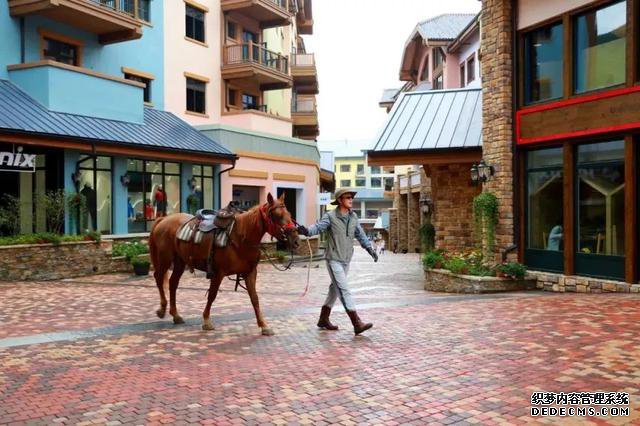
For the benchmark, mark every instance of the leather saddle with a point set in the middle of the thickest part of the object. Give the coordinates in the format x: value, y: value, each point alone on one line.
x: 208, y: 220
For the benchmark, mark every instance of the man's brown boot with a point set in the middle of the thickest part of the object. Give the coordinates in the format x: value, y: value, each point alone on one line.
x: 324, y: 322
x: 358, y: 325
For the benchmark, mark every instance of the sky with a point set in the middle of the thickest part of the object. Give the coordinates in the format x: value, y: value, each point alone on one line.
x: 358, y: 45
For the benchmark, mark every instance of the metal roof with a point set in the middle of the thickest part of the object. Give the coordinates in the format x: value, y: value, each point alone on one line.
x: 434, y: 119
x: 389, y: 95
x: 445, y: 27
x: 21, y: 113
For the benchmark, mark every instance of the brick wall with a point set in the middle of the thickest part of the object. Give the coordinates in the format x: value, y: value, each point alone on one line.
x: 453, y: 194
x: 402, y: 223
x: 497, y: 138
x: 393, y: 228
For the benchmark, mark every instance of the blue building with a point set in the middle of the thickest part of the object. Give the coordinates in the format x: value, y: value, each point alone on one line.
x: 81, y: 110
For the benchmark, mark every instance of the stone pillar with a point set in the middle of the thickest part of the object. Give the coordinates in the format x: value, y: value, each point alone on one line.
x: 496, y: 70
x: 402, y: 224
x: 393, y: 228
x: 413, y: 221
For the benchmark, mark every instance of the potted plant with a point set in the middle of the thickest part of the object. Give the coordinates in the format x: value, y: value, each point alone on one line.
x: 140, y: 266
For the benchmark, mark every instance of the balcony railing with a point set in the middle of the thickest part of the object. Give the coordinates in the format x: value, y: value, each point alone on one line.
x: 247, y: 53
x: 304, y: 105
x: 123, y: 6
x: 262, y: 108
x: 303, y: 60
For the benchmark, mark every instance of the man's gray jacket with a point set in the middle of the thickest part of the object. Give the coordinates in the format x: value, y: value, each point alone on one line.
x: 341, y: 230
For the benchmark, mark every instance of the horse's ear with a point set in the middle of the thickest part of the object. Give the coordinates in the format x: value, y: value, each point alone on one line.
x: 270, y: 198
x: 282, y: 197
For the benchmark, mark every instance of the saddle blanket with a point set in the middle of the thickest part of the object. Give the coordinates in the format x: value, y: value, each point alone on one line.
x: 189, y: 232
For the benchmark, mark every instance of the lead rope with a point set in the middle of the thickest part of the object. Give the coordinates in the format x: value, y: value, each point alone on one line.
x: 306, y: 289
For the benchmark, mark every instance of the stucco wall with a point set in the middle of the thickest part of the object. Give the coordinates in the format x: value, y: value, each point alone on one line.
x: 531, y: 12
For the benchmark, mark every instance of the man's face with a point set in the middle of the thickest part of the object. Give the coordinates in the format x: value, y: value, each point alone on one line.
x: 346, y: 201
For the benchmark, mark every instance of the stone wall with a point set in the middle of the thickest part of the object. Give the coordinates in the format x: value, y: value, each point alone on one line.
x: 453, y: 194
x: 403, y: 217
x: 393, y: 228
x: 445, y: 281
x: 576, y: 284
x: 497, y: 136
x: 41, y: 262
x: 413, y: 222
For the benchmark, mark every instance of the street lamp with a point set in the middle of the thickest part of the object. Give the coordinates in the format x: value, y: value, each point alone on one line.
x: 426, y: 205
x: 481, y: 172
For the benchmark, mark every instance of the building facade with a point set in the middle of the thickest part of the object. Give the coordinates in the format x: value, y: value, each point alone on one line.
x: 239, y: 72
x: 432, y: 135
x: 83, y: 112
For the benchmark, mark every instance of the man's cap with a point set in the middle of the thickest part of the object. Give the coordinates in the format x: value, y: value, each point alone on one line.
x: 340, y: 192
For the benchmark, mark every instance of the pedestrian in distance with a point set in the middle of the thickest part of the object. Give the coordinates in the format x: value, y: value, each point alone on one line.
x: 342, y: 227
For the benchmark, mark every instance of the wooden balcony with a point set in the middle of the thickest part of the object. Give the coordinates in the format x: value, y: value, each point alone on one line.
x: 304, y: 73
x: 250, y: 62
x: 304, y: 114
x: 113, y: 21
x: 304, y: 17
x: 269, y: 13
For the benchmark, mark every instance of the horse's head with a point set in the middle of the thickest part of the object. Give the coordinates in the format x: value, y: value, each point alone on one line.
x: 279, y: 222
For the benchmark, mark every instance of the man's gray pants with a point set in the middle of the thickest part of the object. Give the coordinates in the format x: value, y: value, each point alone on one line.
x: 339, y: 288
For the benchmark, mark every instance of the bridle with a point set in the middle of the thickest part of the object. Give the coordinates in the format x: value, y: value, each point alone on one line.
x: 276, y: 230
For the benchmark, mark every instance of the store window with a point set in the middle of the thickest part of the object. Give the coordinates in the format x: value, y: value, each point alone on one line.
x: 201, y: 184
x: 153, y: 191
x: 600, y: 47
x: 246, y: 196
x: 194, y: 23
x: 543, y: 64
x: 95, y: 187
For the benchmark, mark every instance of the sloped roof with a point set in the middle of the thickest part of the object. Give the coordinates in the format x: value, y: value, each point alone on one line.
x: 444, y: 27
x: 389, y: 95
x: 21, y: 113
x: 434, y: 119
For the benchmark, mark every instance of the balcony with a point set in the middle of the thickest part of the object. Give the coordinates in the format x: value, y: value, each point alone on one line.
x: 113, y: 21
x: 269, y: 13
x: 304, y: 73
x: 304, y: 17
x: 250, y: 62
x: 305, y: 117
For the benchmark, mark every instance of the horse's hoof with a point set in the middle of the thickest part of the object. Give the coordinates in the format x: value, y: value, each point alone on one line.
x: 267, y: 332
x: 178, y: 320
x: 161, y: 313
x: 207, y: 326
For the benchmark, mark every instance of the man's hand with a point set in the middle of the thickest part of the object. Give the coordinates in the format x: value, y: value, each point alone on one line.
x: 373, y: 254
x: 303, y: 231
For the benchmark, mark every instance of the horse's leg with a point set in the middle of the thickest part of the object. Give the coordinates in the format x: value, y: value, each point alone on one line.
x: 250, y: 281
x: 174, y: 281
x: 160, y: 274
x: 213, y: 292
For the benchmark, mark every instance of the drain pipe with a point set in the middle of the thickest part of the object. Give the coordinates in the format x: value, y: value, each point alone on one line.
x: 219, y: 197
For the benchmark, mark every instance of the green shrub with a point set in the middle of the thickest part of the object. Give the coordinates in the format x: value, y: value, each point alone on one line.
x: 281, y: 255
x: 9, y: 215
x: 140, y: 261
x: 427, y: 233
x: 514, y: 270
x: 457, y: 265
x: 129, y: 249
x: 433, y: 259
x: 53, y: 203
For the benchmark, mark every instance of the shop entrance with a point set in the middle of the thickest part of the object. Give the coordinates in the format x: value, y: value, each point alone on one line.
x: 21, y: 190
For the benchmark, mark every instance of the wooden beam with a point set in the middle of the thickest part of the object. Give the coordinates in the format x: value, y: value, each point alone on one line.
x: 632, y: 42
x: 630, y: 211
x: 522, y: 226
x: 289, y: 177
x: 567, y: 201
x: 252, y: 174
x: 567, y: 75
x: 396, y: 158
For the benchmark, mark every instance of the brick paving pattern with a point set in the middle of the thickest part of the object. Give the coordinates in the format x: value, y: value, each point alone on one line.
x: 430, y: 358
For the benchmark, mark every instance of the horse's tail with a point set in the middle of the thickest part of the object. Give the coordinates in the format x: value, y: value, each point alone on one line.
x: 153, y: 248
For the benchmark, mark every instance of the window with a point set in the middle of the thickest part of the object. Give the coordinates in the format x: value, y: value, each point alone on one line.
x: 345, y: 183
x: 388, y: 184
x: 61, y: 51
x: 471, y: 68
x: 194, y: 23
x: 201, y: 196
x: 95, y: 187
x: 361, y: 182
x: 438, y: 58
x: 543, y: 64
x: 462, y: 77
x: 249, y: 101
x: 145, y: 81
x: 438, y: 82
x: 376, y: 182
x: 144, y: 10
x: 360, y: 169
x: 600, y: 210
x: 600, y: 48
x: 425, y: 70
x: 231, y: 30
x: 375, y: 170
x: 371, y: 213
x: 196, y: 90
x: 345, y: 167
x: 232, y: 97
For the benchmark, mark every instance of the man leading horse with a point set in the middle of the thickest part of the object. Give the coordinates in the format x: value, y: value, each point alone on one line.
x: 342, y: 227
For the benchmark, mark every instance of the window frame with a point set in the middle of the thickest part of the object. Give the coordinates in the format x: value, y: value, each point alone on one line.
x: 470, y: 65
x: 77, y: 44
x: 141, y: 77
x: 345, y: 183
x: 463, y: 78
x: 204, y: 84
x: 345, y: 168
x: 201, y: 9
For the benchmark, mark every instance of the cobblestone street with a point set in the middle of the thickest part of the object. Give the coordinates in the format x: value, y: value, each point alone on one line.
x: 92, y: 351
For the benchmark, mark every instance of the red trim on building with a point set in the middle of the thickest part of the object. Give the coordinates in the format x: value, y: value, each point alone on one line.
x: 573, y: 101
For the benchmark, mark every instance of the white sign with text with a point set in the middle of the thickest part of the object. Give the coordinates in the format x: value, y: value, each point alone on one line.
x: 17, y: 161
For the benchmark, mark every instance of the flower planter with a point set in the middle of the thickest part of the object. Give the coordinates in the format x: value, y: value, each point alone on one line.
x: 442, y: 280
x: 141, y: 269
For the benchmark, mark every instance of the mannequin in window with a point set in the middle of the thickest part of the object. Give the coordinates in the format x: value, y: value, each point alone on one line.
x: 89, y: 195
x: 160, y: 202
x: 131, y: 214
x: 555, y: 238
x: 148, y: 210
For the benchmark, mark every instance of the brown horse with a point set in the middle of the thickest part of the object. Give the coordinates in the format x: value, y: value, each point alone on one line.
x: 241, y: 256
